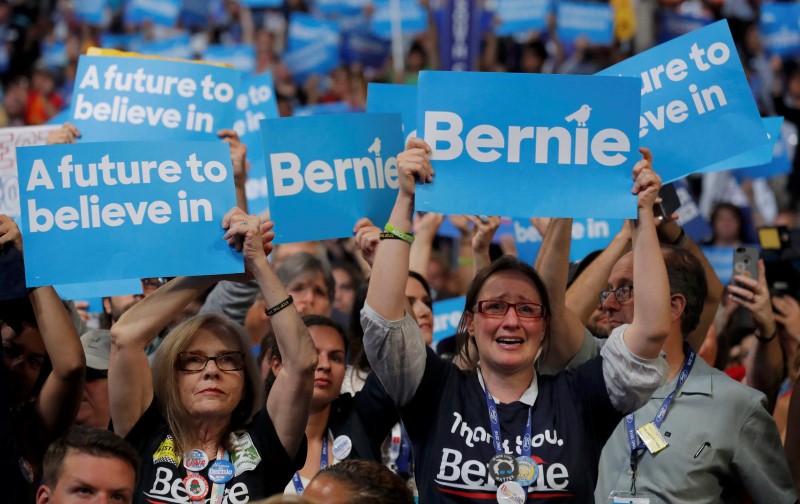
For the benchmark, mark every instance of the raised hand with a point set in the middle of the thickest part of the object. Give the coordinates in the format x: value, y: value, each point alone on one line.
x: 66, y: 134
x: 647, y: 183
x: 414, y: 164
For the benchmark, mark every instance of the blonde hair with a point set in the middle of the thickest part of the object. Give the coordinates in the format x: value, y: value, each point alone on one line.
x: 165, y: 377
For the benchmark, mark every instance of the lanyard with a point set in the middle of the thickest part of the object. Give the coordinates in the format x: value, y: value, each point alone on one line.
x: 497, y: 438
x: 323, y: 463
x: 218, y: 489
x: 630, y: 421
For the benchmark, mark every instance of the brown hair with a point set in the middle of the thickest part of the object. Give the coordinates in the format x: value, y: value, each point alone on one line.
x: 90, y: 441
x: 505, y: 263
x: 165, y: 376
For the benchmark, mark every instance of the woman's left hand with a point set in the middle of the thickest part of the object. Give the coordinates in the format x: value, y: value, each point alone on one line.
x: 246, y: 234
x: 754, y: 295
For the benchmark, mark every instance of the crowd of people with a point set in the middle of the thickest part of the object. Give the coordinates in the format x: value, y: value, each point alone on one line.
x: 634, y: 375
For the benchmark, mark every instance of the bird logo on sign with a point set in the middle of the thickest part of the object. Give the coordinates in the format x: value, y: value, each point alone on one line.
x: 580, y: 116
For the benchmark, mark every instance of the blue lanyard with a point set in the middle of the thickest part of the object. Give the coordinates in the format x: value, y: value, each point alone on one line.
x: 497, y: 438
x: 630, y: 421
x: 323, y: 463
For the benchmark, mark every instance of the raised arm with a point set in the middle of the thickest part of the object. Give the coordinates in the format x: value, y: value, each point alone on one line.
x: 392, y: 341
x: 60, y: 396
x: 764, y: 363
x: 130, y: 383
x: 290, y: 398
x: 583, y: 295
x: 483, y: 231
x: 651, y: 311
x: 238, y: 161
x: 425, y: 228
x: 552, y: 263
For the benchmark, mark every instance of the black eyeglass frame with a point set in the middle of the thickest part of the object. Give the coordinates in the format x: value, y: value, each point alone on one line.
x: 619, y: 292
x: 215, y: 358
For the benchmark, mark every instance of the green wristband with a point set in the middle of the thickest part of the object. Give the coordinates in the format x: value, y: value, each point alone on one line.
x: 403, y: 236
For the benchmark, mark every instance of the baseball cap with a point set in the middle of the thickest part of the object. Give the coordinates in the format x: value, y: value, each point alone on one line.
x: 97, y: 347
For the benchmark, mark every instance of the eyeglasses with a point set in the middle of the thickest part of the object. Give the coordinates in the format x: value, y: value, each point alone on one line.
x: 622, y: 294
x: 492, y: 308
x: 95, y: 374
x: 196, y: 362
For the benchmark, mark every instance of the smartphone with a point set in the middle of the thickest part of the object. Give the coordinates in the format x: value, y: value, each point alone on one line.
x: 745, y: 262
x: 670, y: 201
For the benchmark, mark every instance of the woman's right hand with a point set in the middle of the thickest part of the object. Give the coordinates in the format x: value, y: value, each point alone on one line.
x: 414, y: 164
x: 66, y: 134
x: 244, y: 234
x: 367, y: 238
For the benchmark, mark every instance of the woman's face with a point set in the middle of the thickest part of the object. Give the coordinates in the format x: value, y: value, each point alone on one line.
x: 211, y: 392
x: 507, y: 343
x: 726, y: 226
x: 24, y: 354
x: 345, y: 294
x: 329, y: 375
x: 421, y: 304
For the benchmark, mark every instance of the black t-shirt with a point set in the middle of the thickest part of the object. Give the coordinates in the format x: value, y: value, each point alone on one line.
x: 449, y: 426
x: 263, y: 468
x: 366, y: 418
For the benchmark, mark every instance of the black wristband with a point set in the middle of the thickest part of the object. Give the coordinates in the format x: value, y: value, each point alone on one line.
x: 680, y: 240
x: 280, y: 306
x: 766, y: 340
x: 389, y: 236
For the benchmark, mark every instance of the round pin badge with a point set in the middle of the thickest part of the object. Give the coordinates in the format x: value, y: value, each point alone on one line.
x: 195, y: 460
x: 196, y: 486
x: 342, y: 446
x: 221, y: 471
x: 27, y: 469
x: 511, y: 492
x: 503, y: 468
x: 527, y: 470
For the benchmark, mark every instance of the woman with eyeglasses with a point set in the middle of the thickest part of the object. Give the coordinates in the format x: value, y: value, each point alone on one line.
x: 498, y: 430
x: 199, y: 420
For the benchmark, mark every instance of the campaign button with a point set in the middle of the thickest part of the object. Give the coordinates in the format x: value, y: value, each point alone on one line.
x: 503, y: 468
x: 342, y: 446
x: 221, y: 471
x: 511, y: 492
x: 527, y: 470
x: 196, y: 486
x: 195, y: 460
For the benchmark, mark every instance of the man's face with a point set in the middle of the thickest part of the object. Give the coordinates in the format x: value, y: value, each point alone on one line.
x: 621, y: 276
x: 90, y: 479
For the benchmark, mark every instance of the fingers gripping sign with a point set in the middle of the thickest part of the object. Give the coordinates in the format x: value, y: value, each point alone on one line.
x: 414, y: 165
x: 244, y: 234
x: 647, y: 183
x: 9, y: 233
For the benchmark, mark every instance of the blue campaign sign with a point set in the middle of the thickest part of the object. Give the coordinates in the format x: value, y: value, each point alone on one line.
x: 240, y: 56
x: 143, y: 99
x: 780, y: 28
x: 54, y: 54
x: 588, y: 235
x: 413, y: 18
x: 324, y: 109
x: 86, y: 291
x: 125, y: 210
x: 326, y: 172
x: 366, y: 49
x: 256, y: 101
x: 755, y: 157
x: 696, y: 108
x: 521, y: 16
x: 313, y: 46
x: 780, y: 163
x: 270, y: 4
x: 119, y: 41
x: 91, y: 11
x: 674, y: 24
x: 395, y: 99
x: 446, y: 316
x: 523, y: 144
x: 689, y: 216
x: 721, y: 260
x: 179, y: 47
x: 160, y: 12
x: 595, y: 21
